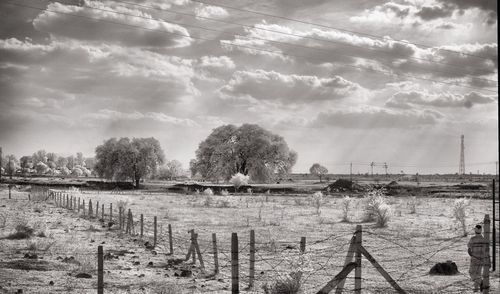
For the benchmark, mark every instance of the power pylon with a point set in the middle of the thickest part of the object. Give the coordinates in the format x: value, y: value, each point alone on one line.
x: 461, y: 169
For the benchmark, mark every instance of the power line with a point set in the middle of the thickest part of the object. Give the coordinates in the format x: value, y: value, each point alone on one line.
x: 334, y: 28
x: 304, y: 37
x: 244, y: 46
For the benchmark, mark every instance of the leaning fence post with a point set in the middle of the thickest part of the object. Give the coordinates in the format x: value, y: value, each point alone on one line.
x: 357, y: 270
x: 216, y: 254
x: 155, y: 232
x: 302, y: 244
x: 486, y: 269
x: 251, y: 277
x: 171, y: 244
x: 198, y: 252
x: 100, y: 270
x: 235, y: 286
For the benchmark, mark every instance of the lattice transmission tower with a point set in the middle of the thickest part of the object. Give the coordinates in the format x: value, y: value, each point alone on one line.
x: 461, y: 169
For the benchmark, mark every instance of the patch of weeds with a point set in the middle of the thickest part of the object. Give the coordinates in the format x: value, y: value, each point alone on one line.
x: 22, y: 231
x: 288, y: 284
x: 39, y: 245
x: 223, y: 204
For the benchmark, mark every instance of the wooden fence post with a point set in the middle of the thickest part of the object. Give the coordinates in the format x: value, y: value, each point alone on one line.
x: 494, y: 231
x: 155, y: 231
x: 142, y: 225
x: 486, y: 267
x: 120, y: 217
x: 357, y: 270
x: 83, y: 207
x: 251, y: 276
x: 216, y: 254
x: 97, y: 210
x: 90, y: 208
x: 78, y: 204
x: 102, y: 212
x: 110, y: 212
x: 348, y: 259
x: 67, y: 201
x: 71, y: 202
x: 74, y: 203
x: 127, y: 227
x: 302, y: 244
x: 100, y: 270
x: 192, y: 247
x: 235, y: 278
x: 170, y: 242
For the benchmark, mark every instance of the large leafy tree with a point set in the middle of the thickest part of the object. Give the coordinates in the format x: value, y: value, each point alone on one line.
x: 248, y: 149
x: 318, y: 170
x: 126, y: 159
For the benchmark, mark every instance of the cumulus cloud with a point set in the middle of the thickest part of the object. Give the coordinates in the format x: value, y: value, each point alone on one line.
x: 271, y: 85
x: 101, y: 26
x: 211, y: 11
x: 372, y: 117
x: 407, y: 100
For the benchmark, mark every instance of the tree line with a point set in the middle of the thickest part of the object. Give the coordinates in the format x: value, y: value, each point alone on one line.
x: 249, y: 150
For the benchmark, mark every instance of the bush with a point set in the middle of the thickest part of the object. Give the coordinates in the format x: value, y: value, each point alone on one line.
x: 316, y: 201
x: 208, y: 201
x: 208, y: 192
x: 290, y: 284
x: 377, y: 209
x: 22, y: 231
x: 239, y: 180
x: 412, y: 204
x: 346, y: 202
x: 224, y: 192
x: 460, y: 213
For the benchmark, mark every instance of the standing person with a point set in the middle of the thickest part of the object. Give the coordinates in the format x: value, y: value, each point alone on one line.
x: 478, y: 249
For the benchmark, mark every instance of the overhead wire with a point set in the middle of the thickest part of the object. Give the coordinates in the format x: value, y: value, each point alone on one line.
x: 333, y: 28
x: 368, y: 70
x: 253, y: 27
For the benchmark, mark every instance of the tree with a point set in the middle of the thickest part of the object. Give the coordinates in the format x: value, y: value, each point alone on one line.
x: 318, y: 170
x: 171, y: 170
x: 10, y: 164
x: 26, y: 163
x: 62, y: 162
x: 79, y: 159
x: 52, y: 157
x: 39, y: 156
x: 71, y: 162
x: 248, y: 149
x: 127, y: 159
x: 41, y: 168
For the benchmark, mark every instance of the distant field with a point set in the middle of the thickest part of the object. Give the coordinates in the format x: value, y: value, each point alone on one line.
x: 407, y: 248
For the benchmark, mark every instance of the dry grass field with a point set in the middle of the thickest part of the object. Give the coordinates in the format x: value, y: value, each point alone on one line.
x: 66, y: 243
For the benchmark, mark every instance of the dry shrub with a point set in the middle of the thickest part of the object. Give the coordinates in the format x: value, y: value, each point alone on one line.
x: 208, y: 192
x: 224, y: 192
x: 22, y: 230
x: 37, y: 245
x: 317, y: 201
x: 346, y: 203
x: 460, y: 213
x: 376, y: 208
x: 289, y: 284
x: 412, y: 204
x: 208, y: 201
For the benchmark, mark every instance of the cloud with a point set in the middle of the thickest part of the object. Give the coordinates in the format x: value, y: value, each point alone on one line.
x: 271, y: 85
x: 112, y: 115
x: 488, y: 6
x: 211, y: 11
x: 434, y: 12
x: 407, y: 100
x: 100, y: 26
x: 373, y: 118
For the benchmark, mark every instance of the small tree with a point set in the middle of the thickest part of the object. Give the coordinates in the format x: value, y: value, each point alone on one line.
x: 239, y: 180
x: 377, y: 208
x: 317, y: 201
x: 318, y: 170
x: 460, y: 213
x: 346, y: 202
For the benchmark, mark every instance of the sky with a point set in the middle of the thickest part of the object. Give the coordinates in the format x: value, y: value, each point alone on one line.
x: 394, y: 82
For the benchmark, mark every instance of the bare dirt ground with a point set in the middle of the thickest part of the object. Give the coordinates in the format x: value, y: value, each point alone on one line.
x: 407, y: 249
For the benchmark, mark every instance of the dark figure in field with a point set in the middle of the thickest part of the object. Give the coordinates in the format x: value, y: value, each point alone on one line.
x: 478, y: 249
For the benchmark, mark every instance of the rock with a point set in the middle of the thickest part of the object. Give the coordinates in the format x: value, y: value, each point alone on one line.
x: 150, y: 263
x: 447, y: 268
x: 83, y: 276
x: 136, y: 263
x: 142, y: 275
x: 30, y: 256
x: 51, y: 283
x: 186, y: 273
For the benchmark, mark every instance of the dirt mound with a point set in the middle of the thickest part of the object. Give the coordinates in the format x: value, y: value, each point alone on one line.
x: 447, y: 268
x: 344, y: 185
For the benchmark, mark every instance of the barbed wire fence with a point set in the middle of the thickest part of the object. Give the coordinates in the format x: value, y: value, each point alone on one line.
x: 269, y: 261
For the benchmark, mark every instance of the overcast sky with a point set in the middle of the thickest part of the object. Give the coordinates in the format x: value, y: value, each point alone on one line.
x: 80, y: 72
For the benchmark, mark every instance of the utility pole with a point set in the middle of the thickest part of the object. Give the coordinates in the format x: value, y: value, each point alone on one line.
x: 10, y: 167
x: 350, y: 173
x: 372, y: 164
x: 385, y: 167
